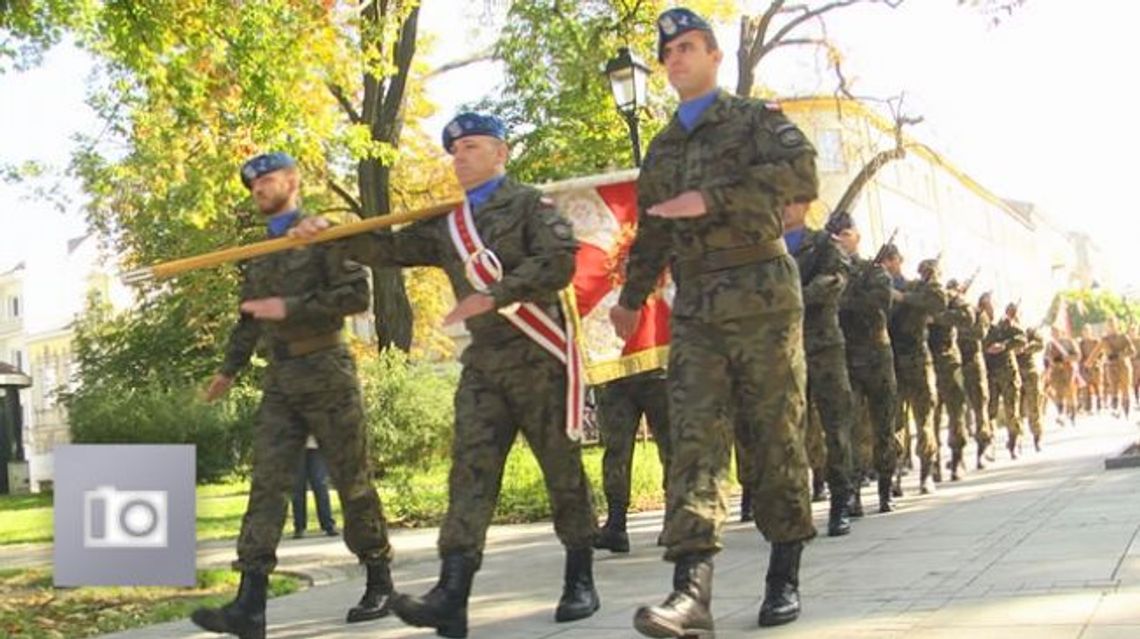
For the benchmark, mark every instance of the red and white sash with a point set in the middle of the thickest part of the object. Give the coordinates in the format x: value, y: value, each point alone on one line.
x: 484, y: 269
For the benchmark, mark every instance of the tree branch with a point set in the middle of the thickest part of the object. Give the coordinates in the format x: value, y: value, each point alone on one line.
x: 348, y: 198
x: 479, y: 56
x: 387, y: 127
x: 345, y: 104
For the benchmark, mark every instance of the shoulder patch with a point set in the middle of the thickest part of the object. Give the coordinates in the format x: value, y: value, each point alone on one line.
x: 561, y: 228
x: 790, y: 136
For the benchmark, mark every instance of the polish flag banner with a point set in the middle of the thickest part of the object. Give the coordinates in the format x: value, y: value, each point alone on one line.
x: 603, y: 210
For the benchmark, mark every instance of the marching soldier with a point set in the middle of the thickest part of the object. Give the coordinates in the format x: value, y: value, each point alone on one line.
x: 1063, y: 357
x: 948, y: 372
x: 293, y: 307
x: 1134, y: 335
x: 1092, y: 371
x: 863, y: 315
x: 919, y: 301
x: 823, y: 274
x: 711, y: 192
x: 1029, y: 367
x: 621, y: 405
x: 507, y: 253
x: 1118, y: 352
x: 975, y: 381
x: 1003, y: 341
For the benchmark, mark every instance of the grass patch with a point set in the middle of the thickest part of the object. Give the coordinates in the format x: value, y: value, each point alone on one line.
x: 416, y: 502
x: 30, y: 607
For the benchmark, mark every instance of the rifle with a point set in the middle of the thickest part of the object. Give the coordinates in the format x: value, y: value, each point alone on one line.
x: 965, y: 287
x: 882, y: 254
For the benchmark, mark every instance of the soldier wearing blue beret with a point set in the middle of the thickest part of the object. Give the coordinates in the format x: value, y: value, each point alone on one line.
x: 507, y: 252
x: 293, y: 306
x: 711, y: 194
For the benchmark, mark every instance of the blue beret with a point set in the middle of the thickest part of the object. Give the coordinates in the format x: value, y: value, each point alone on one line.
x: 675, y: 23
x: 466, y: 124
x: 260, y: 165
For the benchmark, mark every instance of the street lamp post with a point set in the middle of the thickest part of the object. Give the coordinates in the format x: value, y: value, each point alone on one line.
x: 628, y: 77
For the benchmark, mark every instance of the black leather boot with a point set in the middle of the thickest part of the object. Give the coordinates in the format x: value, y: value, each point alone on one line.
x: 377, y: 592
x: 613, y: 536
x: 579, y: 598
x: 886, y: 504
x: 981, y: 465
x: 925, y: 480
x: 896, y: 488
x: 955, y: 464
x: 838, y: 517
x: 782, y: 593
x: 855, y: 502
x: 746, y: 506
x: 818, y: 487
x: 444, y: 607
x: 244, y: 616
x: 1012, y: 446
x: 686, y: 611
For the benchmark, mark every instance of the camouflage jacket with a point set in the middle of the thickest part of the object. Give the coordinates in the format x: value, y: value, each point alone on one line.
x: 970, y: 337
x: 1118, y: 347
x: 864, y: 310
x: 921, y: 302
x: 943, y: 338
x: 534, y: 243
x: 1028, y: 358
x: 1088, y: 347
x: 748, y: 161
x: 1011, y: 339
x: 823, y: 274
x: 320, y: 288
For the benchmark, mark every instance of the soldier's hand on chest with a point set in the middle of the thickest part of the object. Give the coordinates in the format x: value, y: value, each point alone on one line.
x: 686, y: 205
x: 269, y: 308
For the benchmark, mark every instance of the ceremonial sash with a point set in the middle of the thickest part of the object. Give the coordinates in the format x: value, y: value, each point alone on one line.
x: 483, y: 269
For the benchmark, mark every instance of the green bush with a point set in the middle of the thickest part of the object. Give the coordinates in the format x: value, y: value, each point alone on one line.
x: 409, y: 407
x: 220, y: 432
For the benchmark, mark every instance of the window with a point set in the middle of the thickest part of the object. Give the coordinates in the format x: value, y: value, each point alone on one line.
x: 830, y: 148
x: 13, y: 306
x: 18, y: 359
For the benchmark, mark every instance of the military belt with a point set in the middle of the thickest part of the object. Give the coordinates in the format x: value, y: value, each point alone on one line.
x: 732, y: 257
x: 306, y: 345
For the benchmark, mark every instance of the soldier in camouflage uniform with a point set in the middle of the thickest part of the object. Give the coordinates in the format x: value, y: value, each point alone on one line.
x: 1063, y: 357
x: 293, y: 306
x: 509, y: 382
x: 943, y: 341
x: 1003, y: 341
x: 621, y: 405
x: 823, y: 274
x: 1029, y: 367
x: 975, y: 381
x: 863, y: 314
x: 918, y: 303
x: 1134, y: 336
x: 711, y: 192
x: 1118, y: 352
x: 1092, y: 371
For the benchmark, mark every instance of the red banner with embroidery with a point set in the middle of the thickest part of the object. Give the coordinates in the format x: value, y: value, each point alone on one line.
x: 603, y: 210
x: 484, y: 269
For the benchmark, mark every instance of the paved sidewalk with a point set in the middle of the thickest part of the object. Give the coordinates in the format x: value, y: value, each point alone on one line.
x: 1044, y: 547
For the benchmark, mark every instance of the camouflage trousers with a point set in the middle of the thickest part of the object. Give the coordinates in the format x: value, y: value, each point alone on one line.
x: 829, y: 391
x: 317, y: 394
x: 745, y: 375
x: 1063, y: 388
x: 621, y: 405
x: 1031, y: 402
x: 506, y: 389
x: 916, y: 397
x: 875, y: 394
x: 1091, y: 392
x: 951, y: 399
x: 1005, y: 400
x: 977, y: 399
x: 1118, y: 386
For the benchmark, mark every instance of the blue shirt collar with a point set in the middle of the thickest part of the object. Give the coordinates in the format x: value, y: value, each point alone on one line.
x: 692, y: 110
x: 479, y: 195
x: 794, y: 238
x: 278, y: 224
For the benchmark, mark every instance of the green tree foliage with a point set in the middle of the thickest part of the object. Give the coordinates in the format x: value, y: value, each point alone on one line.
x: 1094, y: 307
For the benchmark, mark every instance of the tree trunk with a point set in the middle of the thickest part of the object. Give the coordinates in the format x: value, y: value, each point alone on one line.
x: 390, y: 305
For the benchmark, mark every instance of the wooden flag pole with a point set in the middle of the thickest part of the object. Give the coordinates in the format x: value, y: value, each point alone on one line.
x: 233, y: 254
